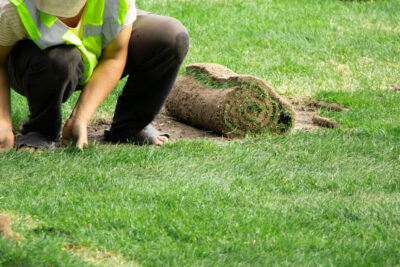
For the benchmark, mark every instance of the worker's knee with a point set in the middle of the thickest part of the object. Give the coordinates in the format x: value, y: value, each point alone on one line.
x: 64, y: 62
x: 170, y: 34
x: 181, y: 39
x: 182, y: 44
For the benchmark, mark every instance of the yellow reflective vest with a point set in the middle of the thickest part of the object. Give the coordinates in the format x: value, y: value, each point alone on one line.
x: 102, y: 21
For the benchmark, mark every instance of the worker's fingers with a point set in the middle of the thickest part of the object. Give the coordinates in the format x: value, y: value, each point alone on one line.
x: 82, y: 141
x: 66, y: 134
x: 65, y: 138
x: 80, y: 135
x: 64, y: 142
x: 75, y: 132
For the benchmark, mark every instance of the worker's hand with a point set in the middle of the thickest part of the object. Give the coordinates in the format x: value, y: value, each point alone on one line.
x: 76, y: 132
x: 6, y: 138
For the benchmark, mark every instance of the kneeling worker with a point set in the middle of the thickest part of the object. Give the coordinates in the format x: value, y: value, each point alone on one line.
x: 50, y: 48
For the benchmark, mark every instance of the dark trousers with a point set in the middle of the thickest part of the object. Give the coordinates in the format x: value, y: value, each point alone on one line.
x: 47, y: 78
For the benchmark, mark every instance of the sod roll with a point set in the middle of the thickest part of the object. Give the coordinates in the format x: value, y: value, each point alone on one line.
x: 212, y: 97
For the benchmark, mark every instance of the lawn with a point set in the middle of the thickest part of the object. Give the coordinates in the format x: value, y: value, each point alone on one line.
x: 324, y: 198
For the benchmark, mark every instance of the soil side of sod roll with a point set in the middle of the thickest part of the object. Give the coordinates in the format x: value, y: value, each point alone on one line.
x: 213, y: 97
x: 195, y: 104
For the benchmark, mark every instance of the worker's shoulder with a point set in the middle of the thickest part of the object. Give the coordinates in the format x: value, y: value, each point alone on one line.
x: 11, y: 27
x: 7, y: 8
x: 8, y: 13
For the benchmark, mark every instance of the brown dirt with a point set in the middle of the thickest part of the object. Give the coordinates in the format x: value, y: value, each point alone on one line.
x: 97, y: 257
x: 5, y: 228
x: 307, y: 118
x: 324, y: 122
x: 395, y: 87
x: 304, y: 113
x: 331, y: 106
x: 163, y: 123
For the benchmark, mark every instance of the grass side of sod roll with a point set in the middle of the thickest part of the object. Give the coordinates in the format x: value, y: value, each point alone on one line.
x: 326, y: 198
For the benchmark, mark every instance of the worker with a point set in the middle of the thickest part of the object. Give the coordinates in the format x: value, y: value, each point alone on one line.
x: 51, y: 48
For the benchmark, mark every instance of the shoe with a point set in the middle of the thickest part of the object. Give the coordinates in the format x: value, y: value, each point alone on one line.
x: 147, y: 136
x: 34, y: 140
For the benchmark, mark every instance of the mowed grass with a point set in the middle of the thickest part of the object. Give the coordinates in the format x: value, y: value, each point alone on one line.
x: 326, y: 198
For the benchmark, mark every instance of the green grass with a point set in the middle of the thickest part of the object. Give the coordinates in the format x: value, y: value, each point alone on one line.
x: 326, y: 198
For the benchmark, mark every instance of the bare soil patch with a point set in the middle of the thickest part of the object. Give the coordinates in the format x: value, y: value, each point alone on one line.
x: 305, y: 110
x: 97, y: 257
x: 163, y: 123
x: 396, y: 87
x: 5, y: 228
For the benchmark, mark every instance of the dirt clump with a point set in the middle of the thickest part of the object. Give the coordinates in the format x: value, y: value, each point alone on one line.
x: 307, y: 118
x: 331, y: 106
x: 395, y: 87
x: 5, y: 228
x: 324, y: 122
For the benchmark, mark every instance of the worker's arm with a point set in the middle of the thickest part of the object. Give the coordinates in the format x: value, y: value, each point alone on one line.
x: 6, y: 134
x: 103, y: 80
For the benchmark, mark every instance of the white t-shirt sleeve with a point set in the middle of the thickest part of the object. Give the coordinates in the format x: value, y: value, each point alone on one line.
x: 11, y: 28
x: 131, y: 15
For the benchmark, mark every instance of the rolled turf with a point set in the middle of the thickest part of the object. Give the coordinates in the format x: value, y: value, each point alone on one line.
x: 213, y: 97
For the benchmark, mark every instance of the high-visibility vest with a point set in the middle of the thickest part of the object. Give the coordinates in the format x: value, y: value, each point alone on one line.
x: 102, y: 21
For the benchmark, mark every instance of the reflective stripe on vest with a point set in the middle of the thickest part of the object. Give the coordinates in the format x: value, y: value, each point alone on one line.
x: 102, y: 21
